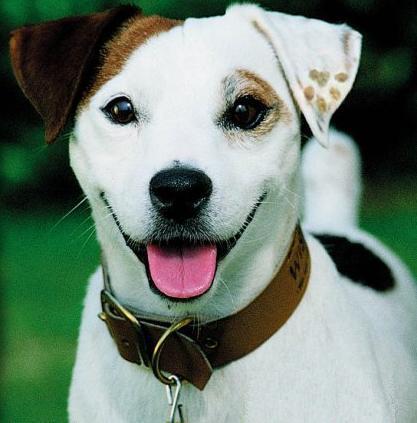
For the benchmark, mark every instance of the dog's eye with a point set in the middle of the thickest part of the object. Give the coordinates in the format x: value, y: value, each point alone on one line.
x: 247, y: 112
x: 120, y: 110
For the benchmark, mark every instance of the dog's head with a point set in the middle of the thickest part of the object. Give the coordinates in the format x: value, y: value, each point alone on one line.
x: 186, y: 137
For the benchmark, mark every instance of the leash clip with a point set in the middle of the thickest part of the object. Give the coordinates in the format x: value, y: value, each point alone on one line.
x: 173, y: 395
x: 172, y: 382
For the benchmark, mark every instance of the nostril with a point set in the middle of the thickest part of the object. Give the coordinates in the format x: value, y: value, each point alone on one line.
x: 197, y: 188
x: 179, y: 192
x: 163, y: 194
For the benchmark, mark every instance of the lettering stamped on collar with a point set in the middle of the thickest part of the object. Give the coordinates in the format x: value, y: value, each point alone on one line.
x: 194, y: 351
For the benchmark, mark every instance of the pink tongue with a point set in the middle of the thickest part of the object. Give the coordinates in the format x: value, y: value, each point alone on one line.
x: 182, y: 272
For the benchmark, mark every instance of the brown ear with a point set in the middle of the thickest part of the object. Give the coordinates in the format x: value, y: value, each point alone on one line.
x: 53, y: 61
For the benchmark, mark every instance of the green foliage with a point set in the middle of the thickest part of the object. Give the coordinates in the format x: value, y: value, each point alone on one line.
x: 22, y: 12
x: 16, y: 165
x: 183, y: 9
x: 386, y: 72
x: 45, y: 267
x: 362, y: 6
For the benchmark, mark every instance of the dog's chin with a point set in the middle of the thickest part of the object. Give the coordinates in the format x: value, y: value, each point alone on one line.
x: 178, y: 269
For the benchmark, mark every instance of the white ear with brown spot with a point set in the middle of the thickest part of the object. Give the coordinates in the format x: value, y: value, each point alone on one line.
x: 319, y: 60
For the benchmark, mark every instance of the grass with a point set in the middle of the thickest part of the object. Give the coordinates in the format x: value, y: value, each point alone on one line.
x: 45, y: 268
x: 390, y: 213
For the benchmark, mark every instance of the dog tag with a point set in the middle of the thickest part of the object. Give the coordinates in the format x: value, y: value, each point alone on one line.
x: 173, y: 395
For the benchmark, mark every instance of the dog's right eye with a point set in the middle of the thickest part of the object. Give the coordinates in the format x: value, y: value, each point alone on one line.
x: 120, y: 110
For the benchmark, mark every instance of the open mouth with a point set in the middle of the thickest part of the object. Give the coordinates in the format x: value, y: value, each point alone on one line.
x: 180, y: 269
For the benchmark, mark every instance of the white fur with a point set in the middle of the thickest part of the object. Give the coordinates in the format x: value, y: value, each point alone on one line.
x: 332, y: 184
x: 348, y: 354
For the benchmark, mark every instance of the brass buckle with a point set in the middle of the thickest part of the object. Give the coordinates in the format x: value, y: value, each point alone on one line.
x: 143, y: 354
x: 159, y: 347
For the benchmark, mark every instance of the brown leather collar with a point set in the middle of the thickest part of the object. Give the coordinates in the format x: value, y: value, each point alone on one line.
x: 194, y: 351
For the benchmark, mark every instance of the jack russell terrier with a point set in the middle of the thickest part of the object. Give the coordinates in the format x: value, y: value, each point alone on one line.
x: 186, y: 141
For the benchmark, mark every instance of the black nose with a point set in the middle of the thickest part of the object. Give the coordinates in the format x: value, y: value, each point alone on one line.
x: 180, y: 193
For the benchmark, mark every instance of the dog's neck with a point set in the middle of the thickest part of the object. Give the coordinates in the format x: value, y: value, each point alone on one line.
x: 241, y: 277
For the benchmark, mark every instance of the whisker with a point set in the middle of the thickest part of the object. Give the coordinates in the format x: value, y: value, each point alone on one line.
x: 290, y: 203
x: 232, y: 300
x: 85, y: 242
x: 93, y: 225
x: 68, y: 213
x: 296, y: 194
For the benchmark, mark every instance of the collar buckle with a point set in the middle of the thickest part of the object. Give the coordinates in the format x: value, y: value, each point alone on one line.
x: 111, y: 305
x: 160, y: 345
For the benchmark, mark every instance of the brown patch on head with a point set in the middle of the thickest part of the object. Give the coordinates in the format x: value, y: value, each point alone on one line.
x: 246, y: 83
x: 335, y: 93
x: 53, y: 61
x: 341, y: 77
x: 309, y: 93
x: 134, y: 33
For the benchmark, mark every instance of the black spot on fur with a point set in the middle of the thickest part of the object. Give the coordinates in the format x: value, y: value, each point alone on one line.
x: 356, y: 262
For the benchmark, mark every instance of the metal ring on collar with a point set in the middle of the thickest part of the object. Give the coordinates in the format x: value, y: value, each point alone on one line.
x: 159, y: 347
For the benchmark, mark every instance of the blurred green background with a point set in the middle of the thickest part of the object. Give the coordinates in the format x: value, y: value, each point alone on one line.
x: 46, y: 259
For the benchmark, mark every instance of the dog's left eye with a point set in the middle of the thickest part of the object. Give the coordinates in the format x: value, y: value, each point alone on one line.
x: 246, y: 113
x: 120, y: 110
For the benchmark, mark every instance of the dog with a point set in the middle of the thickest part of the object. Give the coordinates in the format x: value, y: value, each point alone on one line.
x: 186, y: 141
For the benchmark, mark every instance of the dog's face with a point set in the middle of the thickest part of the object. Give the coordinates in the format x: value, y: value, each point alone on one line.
x: 183, y: 149
x: 186, y: 143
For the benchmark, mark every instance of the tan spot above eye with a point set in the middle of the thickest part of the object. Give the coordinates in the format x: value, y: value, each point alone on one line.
x: 335, y: 93
x: 341, y: 77
x: 321, y: 104
x: 309, y: 93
